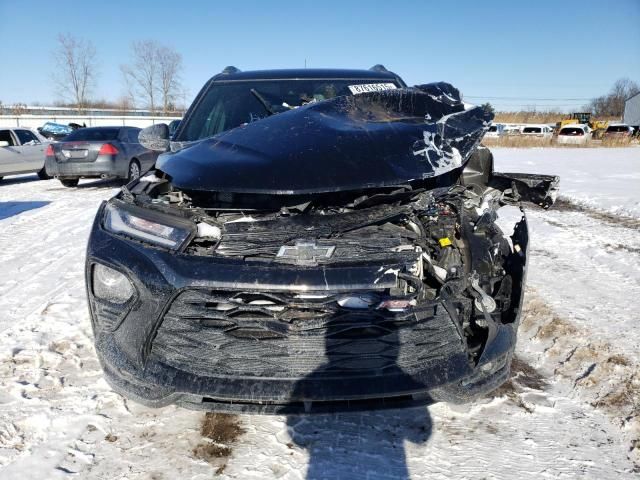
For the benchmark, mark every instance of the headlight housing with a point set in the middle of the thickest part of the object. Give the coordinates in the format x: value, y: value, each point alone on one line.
x: 148, y: 225
x: 111, y: 285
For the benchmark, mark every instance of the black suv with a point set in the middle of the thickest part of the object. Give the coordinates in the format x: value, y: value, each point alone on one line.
x: 312, y: 240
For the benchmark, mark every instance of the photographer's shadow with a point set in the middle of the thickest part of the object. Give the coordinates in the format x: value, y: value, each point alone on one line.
x: 358, y: 444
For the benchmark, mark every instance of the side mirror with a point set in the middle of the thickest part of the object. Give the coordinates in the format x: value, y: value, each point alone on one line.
x: 155, y: 137
x: 4, y: 143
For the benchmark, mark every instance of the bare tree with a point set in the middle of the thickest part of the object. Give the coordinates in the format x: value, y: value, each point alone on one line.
x: 75, y: 72
x: 612, y: 104
x: 124, y: 103
x: 170, y: 64
x: 142, y: 75
x: 154, y: 74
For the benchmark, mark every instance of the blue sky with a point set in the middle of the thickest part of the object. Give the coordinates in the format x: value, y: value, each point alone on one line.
x: 566, y: 50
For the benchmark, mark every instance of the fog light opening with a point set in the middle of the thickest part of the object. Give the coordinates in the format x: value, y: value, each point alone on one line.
x: 111, y: 285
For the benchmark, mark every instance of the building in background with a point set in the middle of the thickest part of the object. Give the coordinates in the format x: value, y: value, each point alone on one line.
x: 632, y: 110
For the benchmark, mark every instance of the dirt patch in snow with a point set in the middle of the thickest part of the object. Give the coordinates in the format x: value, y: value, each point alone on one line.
x: 220, y: 431
x: 523, y: 376
x: 565, y: 205
x: 221, y: 427
x: 608, y: 379
x: 555, y: 328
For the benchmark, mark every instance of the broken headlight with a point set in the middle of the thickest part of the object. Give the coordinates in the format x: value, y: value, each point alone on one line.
x: 148, y: 225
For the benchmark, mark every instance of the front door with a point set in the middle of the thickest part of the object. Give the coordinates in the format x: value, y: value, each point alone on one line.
x: 32, y: 150
x: 11, y: 155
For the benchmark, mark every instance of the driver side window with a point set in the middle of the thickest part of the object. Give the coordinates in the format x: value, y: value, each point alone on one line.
x: 25, y: 136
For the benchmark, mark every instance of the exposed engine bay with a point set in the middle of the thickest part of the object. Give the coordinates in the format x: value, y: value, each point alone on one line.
x: 442, y: 244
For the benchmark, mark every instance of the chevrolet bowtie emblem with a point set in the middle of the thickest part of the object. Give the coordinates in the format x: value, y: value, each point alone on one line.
x: 306, y: 252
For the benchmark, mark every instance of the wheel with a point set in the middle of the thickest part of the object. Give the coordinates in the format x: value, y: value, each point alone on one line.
x: 42, y: 174
x: 70, y: 182
x: 134, y: 171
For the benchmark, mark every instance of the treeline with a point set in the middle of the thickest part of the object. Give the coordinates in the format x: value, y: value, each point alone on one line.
x: 612, y: 104
x: 151, y: 79
x: 605, y: 107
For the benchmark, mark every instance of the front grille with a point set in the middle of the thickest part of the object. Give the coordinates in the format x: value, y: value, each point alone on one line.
x: 377, y: 234
x: 289, y: 335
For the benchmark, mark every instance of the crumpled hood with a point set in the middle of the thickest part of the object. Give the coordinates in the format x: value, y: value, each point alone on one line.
x: 368, y: 140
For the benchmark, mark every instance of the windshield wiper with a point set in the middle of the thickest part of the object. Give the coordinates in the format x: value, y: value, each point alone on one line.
x: 262, y: 100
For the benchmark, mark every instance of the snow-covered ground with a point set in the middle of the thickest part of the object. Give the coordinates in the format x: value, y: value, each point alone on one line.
x: 603, y: 178
x: 572, y: 409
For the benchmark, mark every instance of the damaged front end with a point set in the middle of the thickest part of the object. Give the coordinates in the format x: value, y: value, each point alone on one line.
x: 343, y: 255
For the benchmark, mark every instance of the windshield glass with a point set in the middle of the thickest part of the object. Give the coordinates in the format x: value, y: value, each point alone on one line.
x: 618, y: 129
x: 532, y: 130
x: 493, y: 128
x: 572, y: 131
x: 229, y: 105
x: 97, y: 134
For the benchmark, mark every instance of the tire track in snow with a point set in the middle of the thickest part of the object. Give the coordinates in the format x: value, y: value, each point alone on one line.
x: 567, y: 205
x: 585, y: 367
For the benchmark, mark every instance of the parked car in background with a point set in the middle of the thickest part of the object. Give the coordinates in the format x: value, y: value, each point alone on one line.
x: 511, y: 130
x: 55, y: 131
x: 574, y: 134
x: 98, y: 152
x: 618, y: 131
x: 21, y: 151
x: 541, y: 131
x: 496, y: 130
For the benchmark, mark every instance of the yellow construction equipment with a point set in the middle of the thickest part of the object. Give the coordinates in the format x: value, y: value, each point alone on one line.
x: 598, y: 127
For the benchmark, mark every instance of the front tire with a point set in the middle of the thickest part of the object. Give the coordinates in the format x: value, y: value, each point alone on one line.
x: 134, y: 171
x: 70, y: 182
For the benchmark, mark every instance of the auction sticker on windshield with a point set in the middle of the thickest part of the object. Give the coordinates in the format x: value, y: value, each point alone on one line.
x: 371, y: 87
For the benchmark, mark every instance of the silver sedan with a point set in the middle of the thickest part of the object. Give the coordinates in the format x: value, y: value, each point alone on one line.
x: 22, y: 151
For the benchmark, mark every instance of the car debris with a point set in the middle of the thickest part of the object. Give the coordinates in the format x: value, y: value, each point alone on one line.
x: 339, y: 255
x: 57, y: 131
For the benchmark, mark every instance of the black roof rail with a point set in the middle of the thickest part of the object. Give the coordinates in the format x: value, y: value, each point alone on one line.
x: 230, y: 69
x: 378, y: 68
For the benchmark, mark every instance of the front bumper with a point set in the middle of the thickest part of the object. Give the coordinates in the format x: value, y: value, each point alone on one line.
x: 105, y: 166
x: 165, y: 346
